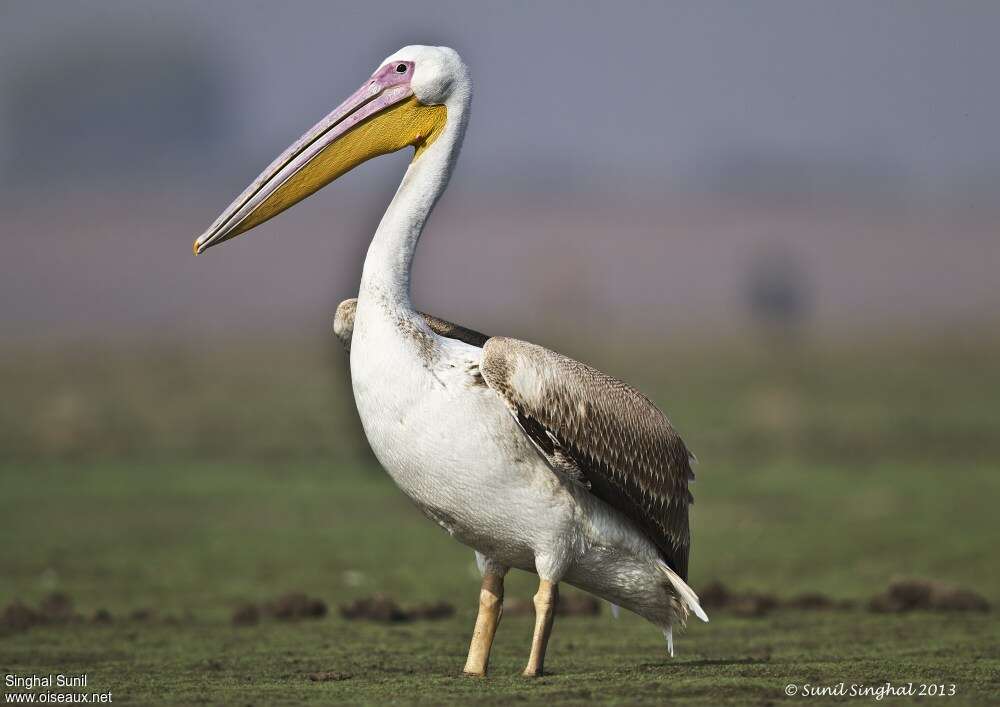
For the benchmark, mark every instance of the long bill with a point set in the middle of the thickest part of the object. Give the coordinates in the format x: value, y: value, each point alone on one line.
x: 382, y: 116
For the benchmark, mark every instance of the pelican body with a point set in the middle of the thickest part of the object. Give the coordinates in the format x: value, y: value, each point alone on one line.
x: 534, y: 460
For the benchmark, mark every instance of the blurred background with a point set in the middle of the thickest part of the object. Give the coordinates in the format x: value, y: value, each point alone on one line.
x: 781, y: 220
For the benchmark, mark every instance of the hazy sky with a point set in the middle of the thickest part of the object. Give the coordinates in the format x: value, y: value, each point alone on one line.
x: 568, y: 94
x: 597, y: 180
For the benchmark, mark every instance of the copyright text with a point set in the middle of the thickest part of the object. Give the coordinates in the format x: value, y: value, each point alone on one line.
x: 876, y: 693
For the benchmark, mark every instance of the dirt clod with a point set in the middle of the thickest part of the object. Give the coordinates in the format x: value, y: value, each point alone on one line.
x: 578, y: 605
x: 384, y: 609
x: 329, y: 676
x: 714, y: 595
x: 901, y: 595
x: 926, y: 595
x: 57, y: 607
x: 295, y: 605
x: 246, y: 615
x: 374, y: 608
x: 753, y: 604
x: 432, y: 612
x: 717, y: 596
x: 570, y: 604
x: 288, y: 607
x: 518, y: 607
x: 19, y: 617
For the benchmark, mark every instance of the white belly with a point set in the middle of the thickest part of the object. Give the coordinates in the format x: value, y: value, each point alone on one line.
x: 449, y: 443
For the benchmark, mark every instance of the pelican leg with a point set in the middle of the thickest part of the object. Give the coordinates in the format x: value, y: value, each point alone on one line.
x: 545, y: 610
x: 490, y: 610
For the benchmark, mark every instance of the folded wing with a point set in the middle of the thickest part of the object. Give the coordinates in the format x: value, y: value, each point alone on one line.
x: 590, y: 424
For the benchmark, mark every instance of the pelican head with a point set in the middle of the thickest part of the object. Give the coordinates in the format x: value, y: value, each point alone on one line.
x: 404, y: 103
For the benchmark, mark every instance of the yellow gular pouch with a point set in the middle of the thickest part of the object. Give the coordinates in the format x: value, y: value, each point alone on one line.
x: 407, y: 123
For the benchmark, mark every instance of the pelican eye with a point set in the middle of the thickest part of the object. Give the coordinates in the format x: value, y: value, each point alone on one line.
x: 400, y: 68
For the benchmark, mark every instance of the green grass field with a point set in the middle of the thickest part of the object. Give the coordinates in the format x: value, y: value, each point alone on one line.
x: 185, y: 486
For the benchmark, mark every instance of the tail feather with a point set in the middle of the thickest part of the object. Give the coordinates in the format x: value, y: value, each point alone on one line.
x: 687, y: 596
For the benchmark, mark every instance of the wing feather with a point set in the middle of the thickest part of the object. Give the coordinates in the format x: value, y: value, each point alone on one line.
x: 621, y: 443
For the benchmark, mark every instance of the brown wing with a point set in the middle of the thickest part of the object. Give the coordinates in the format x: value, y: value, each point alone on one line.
x: 343, y: 326
x: 618, y: 440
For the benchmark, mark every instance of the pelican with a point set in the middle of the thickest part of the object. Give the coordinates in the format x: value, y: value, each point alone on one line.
x: 535, y: 461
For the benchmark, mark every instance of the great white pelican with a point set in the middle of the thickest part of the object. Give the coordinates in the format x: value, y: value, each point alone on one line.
x: 534, y: 460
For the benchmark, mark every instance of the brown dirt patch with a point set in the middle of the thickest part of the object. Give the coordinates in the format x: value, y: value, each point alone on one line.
x: 716, y: 595
x: 901, y: 595
x: 575, y: 604
x: 330, y: 676
x: 926, y: 595
x: 295, y: 605
x: 246, y: 615
x: 384, y: 609
x: 288, y: 607
x: 56, y: 608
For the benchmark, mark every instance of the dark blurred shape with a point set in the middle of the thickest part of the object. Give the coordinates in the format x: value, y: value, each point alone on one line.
x: 287, y: 607
x: 374, y: 608
x: 56, y: 608
x: 110, y: 105
x: 329, y: 676
x: 19, y: 617
x: 714, y: 595
x: 432, y: 611
x: 778, y: 293
x: 901, y: 596
x: 246, y: 615
x: 384, y: 609
x: 569, y: 604
x: 752, y: 604
x: 296, y: 605
x: 717, y: 596
x: 578, y: 604
x: 926, y: 595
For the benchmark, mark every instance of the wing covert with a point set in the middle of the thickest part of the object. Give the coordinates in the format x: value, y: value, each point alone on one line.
x: 621, y: 443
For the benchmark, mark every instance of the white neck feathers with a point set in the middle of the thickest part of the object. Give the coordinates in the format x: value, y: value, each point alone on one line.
x: 390, y: 255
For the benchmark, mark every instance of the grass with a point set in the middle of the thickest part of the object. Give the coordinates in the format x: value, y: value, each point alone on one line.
x: 144, y: 480
x: 592, y: 660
